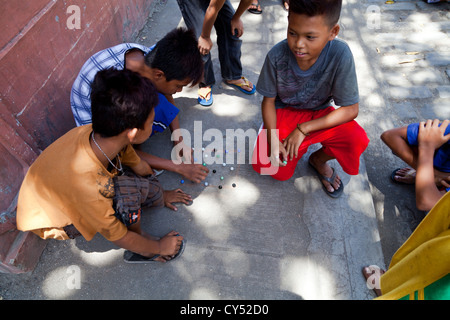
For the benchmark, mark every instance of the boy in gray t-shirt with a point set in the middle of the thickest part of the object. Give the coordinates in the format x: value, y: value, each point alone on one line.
x: 301, y: 77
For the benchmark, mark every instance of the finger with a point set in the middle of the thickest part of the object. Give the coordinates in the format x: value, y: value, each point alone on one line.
x: 296, y: 151
x: 201, y: 168
x: 283, y: 155
x: 171, y: 206
x: 181, y: 195
x: 291, y: 153
x: 182, y: 199
x: 421, y: 125
x: 436, y: 123
x: 444, y: 126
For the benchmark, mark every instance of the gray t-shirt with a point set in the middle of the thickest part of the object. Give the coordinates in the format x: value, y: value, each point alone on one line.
x: 332, y: 77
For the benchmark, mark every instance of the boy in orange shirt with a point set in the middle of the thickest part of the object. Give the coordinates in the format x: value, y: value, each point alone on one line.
x: 70, y: 189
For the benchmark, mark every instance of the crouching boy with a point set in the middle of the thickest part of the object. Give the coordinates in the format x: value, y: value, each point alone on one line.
x: 75, y: 187
x: 299, y: 80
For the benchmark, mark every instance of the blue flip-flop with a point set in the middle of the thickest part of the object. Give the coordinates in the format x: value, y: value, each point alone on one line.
x: 239, y: 86
x: 202, y: 99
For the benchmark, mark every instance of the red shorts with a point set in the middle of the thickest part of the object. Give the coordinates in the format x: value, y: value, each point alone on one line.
x: 345, y: 142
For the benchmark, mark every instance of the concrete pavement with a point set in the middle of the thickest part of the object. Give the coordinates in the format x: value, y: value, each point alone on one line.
x: 265, y: 239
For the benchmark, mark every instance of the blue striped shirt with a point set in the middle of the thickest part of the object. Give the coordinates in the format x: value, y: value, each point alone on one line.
x: 80, y: 95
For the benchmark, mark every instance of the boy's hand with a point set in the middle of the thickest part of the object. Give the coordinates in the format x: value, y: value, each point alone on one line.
x: 204, y: 45
x: 194, y: 172
x: 292, y: 143
x: 237, y: 27
x: 170, y: 244
x: 175, y: 196
x: 431, y: 135
x: 278, y: 154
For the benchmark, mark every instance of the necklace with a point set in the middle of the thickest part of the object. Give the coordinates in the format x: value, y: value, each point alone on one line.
x: 118, y: 158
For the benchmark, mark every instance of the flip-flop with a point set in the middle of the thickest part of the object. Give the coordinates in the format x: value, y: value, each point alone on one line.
x: 240, y: 85
x: 255, y: 10
x: 394, y: 173
x: 337, y: 192
x: 158, y: 172
x: 202, y: 96
x: 131, y: 257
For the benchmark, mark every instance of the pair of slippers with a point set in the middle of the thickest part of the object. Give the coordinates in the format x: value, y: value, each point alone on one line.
x: 205, y: 97
x: 131, y: 257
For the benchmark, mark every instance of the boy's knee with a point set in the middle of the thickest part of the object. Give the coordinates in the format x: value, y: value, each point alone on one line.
x: 386, y: 135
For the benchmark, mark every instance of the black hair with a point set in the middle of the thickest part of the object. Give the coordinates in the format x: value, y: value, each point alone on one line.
x: 120, y: 100
x: 177, y: 55
x: 331, y: 9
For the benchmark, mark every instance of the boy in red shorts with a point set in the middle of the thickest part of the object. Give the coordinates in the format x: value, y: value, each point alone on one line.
x: 300, y: 78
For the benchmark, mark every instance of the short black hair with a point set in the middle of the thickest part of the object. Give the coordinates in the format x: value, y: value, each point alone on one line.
x: 331, y: 9
x: 120, y: 100
x: 177, y: 55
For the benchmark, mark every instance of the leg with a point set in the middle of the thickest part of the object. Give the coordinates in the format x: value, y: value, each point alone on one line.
x: 345, y: 143
x: 229, y: 47
x: 228, y: 44
x: 193, y: 12
x: 397, y: 141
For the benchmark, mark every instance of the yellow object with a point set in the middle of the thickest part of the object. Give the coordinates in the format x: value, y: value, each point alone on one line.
x: 423, y: 259
x: 389, y: 2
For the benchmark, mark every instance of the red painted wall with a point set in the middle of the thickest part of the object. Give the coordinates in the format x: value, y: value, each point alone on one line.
x: 40, y: 56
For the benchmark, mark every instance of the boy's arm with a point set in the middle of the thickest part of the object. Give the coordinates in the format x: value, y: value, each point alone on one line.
x: 431, y: 137
x: 137, y: 243
x: 276, y: 148
x: 142, y: 168
x: 339, y: 116
x: 204, y: 41
x: 194, y: 172
x: 333, y: 119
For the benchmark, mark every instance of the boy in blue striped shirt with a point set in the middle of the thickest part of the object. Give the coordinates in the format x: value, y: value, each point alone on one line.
x: 172, y: 63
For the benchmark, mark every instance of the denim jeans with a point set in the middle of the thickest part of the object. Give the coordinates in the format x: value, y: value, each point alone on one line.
x: 229, y: 46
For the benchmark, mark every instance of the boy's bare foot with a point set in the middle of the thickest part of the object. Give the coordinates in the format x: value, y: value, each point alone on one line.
x: 326, y: 171
x: 404, y: 175
x: 372, y: 274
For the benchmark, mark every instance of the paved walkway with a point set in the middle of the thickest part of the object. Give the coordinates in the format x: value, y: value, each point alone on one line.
x: 265, y: 239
